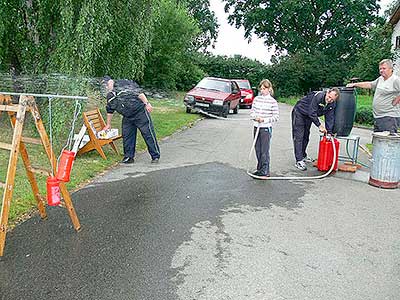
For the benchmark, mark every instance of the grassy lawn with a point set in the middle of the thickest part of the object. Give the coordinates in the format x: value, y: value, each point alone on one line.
x: 364, y: 100
x: 168, y: 116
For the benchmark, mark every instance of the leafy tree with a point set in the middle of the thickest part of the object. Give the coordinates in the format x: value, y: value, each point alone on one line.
x: 301, y: 72
x: 169, y: 63
x: 26, y: 34
x: 237, y: 67
x: 336, y: 27
x: 84, y: 37
x: 376, y: 47
x: 207, y: 22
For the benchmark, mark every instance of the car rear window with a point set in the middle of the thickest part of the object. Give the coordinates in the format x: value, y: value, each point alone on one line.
x: 243, y: 84
x: 217, y: 85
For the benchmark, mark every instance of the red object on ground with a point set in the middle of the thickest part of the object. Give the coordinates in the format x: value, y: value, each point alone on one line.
x: 325, y: 154
x: 53, y: 191
x: 65, y: 165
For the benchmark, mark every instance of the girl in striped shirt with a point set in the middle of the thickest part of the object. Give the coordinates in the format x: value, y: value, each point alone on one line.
x: 265, y: 113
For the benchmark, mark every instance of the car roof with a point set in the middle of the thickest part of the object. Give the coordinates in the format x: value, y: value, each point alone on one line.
x: 220, y: 79
x: 240, y: 79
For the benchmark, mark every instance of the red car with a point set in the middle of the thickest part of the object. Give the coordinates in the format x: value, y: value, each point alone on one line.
x: 214, y: 95
x: 247, y: 94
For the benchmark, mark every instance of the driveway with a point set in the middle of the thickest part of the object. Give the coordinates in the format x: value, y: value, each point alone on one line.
x: 195, y: 226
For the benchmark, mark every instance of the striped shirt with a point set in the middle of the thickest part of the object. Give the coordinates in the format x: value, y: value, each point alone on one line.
x: 265, y: 107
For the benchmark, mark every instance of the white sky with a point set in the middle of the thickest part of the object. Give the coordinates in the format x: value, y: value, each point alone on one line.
x: 231, y: 40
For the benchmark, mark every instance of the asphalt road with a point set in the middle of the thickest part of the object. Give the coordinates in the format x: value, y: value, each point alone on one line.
x: 195, y: 226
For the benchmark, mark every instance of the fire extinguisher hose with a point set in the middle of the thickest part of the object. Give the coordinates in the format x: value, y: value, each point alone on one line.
x: 276, y: 177
x: 290, y: 177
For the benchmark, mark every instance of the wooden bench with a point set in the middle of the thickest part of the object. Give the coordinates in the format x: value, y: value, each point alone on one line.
x: 93, y: 120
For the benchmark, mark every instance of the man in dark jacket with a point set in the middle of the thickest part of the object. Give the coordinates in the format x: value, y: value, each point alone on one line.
x: 135, y: 109
x: 306, y: 111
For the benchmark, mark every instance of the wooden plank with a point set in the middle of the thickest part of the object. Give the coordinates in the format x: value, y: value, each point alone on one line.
x: 79, y: 138
x: 12, y: 167
x: 70, y: 206
x: 32, y: 180
x: 5, y: 146
x: 95, y: 121
x: 347, y: 168
x: 13, y: 108
x: 5, y: 98
x: 29, y: 140
x: 91, y: 112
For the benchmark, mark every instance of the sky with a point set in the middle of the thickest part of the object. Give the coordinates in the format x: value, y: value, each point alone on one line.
x: 231, y: 40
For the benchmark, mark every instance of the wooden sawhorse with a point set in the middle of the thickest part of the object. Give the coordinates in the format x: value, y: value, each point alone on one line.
x: 16, y: 113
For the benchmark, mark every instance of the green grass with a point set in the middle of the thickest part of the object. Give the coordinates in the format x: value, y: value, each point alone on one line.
x: 168, y: 116
x: 289, y: 100
x: 364, y: 100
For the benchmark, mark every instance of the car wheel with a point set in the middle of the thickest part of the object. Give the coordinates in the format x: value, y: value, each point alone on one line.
x: 236, y: 109
x: 188, y: 110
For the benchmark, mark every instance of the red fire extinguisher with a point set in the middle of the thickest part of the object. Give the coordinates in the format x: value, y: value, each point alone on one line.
x: 53, y: 191
x: 65, y: 165
x: 325, y: 154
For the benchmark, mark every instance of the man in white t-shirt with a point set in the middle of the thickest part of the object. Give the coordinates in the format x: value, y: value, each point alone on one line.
x: 386, y: 100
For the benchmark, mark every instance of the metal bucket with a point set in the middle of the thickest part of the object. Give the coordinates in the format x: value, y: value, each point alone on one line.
x: 385, y: 168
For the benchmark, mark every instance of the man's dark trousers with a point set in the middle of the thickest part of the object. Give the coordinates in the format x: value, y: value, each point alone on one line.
x: 301, y: 125
x: 387, y: 124
x: 262, y: 149
x: 142, y: 121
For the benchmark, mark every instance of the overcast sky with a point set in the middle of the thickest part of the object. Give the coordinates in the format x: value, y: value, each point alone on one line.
x: 231, y: 40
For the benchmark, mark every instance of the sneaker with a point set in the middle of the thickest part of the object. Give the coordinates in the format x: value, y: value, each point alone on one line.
x: 155, y: 160
x: 301, y: 165
x: 261, y: 177
x: 128, y: 160
x: 308, y: 159
x: 256, y: 173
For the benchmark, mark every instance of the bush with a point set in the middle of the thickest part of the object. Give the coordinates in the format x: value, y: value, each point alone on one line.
x: 364, y: 115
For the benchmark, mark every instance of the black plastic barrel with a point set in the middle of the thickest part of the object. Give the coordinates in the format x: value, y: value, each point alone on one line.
x: 345, y: 112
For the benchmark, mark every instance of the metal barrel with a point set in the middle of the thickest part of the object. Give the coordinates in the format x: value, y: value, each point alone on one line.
x: 385, y: 168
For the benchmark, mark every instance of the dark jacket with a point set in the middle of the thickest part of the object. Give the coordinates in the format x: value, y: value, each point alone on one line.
x: 313, y: 106
x: 125, y: 102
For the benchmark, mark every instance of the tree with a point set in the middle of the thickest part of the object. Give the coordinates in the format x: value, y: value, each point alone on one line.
x: 169, y: 63
x: 237, y: 67
x: 336, y: 27
x: 207, y: 22
x: 77, y: 37
x: 376, y: 47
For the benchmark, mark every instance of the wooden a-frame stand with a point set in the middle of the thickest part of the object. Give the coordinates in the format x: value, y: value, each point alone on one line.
x: 17, y: 112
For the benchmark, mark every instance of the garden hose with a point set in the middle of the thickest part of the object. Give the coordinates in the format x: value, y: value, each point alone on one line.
x: 253, y: 146
x: 289, y: 177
